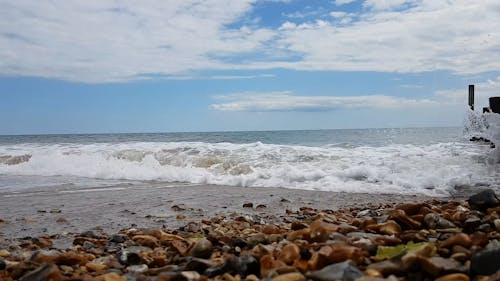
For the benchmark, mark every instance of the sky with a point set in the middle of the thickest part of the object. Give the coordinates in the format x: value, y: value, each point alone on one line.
x: 107, y: 66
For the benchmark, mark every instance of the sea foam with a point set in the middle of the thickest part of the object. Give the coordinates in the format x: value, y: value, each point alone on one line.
x: 434, y: 169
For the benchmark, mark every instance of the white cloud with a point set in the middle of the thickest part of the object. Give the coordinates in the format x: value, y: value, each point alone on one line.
x: 388, y: 4
x: 101, y: 41
x: 445, y: 36
x: 285, y: 101
x: 343, y: 2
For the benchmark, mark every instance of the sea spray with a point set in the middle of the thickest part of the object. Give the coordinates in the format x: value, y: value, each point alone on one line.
x: 433, y: 169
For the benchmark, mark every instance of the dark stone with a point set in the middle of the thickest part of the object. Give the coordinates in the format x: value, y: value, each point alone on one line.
x: 484, y: 200
x: 248, y: 205
x: 39, y: 274
x: 345, y: 271
x: 198, y: 265
x: 244, y: 266
x: 118, y: 238
x: 471, y: 224
x: 2, y: 265
x: 305, y: 254
x: 486, y: 227
x: 89, y: 234
x: 131, y: 255
x: 485, y: 262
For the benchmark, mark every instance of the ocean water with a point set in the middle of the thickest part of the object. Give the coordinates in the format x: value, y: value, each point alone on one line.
x: 431, y: 161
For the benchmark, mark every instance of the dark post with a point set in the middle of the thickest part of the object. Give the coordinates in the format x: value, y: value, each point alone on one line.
x: 471, y: 97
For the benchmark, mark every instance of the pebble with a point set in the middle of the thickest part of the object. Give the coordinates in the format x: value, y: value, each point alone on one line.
x: 484, y: 200
x: 485, y: 262
x: 202, y: 249
x: 339, y: 271
x: 454, y: 277
x: 456, y: 243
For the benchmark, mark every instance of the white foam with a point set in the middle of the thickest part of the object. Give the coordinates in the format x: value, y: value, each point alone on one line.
x: 409, y: 169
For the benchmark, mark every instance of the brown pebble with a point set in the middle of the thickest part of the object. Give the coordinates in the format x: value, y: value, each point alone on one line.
x: 454, y: 277
x: 270, y: 229
x: 289, y: 253
x: 390, y: 227
x: 461, y: 239
x: 111, y: 277
x: 294, y: 276
x: 146, y: 240
x: 410, y: 208
x: 95, y: 266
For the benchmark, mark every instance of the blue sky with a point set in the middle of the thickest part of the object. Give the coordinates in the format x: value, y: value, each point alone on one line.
x: 107, y: 66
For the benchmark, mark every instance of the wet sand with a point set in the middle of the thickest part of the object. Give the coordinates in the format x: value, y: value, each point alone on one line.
x: 160, y: 205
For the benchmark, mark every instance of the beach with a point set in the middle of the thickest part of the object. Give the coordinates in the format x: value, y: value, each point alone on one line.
x: 207, y: 232
x: 156, y: 205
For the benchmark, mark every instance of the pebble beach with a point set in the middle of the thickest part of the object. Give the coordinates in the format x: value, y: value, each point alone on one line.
x: 247, y: 234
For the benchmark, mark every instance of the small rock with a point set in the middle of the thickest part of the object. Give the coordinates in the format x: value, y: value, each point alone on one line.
x: 202, y: 249
x: 410, y: 208
x: 339, y: 271
x: 484, y: 200
x: 471, y: 224
x: 289, y: 253
x: 62, y: 220
x: 146, y: 240
x: 3, y: 265
x: 4, y: 253
x: 270, y: 229
x: 111, y: 277
x: 461, y: 239
x: 403, y: 219
x: 386, y: 267
x: 438, y: 265
x: 248, y: 205
x: 485, y: 262
x: 261, y: 207
x: 118, y: 238
x: 137, y: 269
x: 178, y: 208
x: 44, y: 272
x: 454, y: 277
x: 485, y: 227
x: 496, y: 222
x: 434, y: 221
x: 95, y: 266
x: 293, y: 276
x: 390, y: 227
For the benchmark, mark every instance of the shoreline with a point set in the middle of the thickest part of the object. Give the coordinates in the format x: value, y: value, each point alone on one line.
x: 161, y: 205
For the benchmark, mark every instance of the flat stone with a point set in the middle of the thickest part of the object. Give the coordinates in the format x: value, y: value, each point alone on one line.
x: 454, y: 277
x: 484, y: 200
x: 339, y: 271
x: 202, y: 249
x: 434, y: 221
x: 293, y: 276
x: 387, y: 267
x: 485, y: 262
x: 438, y: 265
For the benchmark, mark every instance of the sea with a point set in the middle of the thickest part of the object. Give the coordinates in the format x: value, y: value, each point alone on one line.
x: 428, y: 161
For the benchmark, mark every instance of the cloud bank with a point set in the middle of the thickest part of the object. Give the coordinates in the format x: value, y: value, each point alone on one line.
x: 107, y: 41
x: 285, y: 101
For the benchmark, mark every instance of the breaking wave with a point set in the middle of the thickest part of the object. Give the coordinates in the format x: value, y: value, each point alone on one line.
x: 434, y: 169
